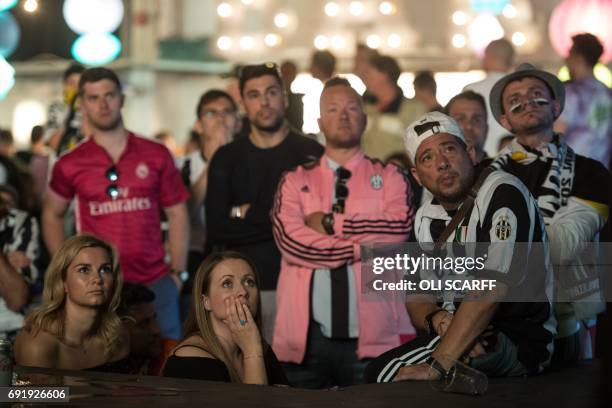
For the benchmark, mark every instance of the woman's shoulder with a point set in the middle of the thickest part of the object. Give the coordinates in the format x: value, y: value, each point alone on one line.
x: 192, y: 346
x: 37, y: 350
x: 121, y: 347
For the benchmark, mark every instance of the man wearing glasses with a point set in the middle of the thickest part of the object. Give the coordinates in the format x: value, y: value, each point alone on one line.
x: 121, y: 183
x: 243, y: 176
x: 572, y: 191
x: 216, y: 124
x: 323, y: 211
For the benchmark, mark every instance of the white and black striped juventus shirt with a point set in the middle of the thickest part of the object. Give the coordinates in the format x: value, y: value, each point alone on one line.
x: 503, y: 215
x: 18, y: 232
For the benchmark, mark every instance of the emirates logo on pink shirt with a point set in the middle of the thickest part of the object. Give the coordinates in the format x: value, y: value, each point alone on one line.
x: 142, y: 170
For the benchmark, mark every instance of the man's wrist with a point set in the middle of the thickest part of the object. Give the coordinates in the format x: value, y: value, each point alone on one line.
x: 328, y: 223
x: 236, y: 212
x: 182, y: 274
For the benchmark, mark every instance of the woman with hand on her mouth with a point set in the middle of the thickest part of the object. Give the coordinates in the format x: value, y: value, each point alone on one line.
x: 223, y: 331
x: 76, y: 326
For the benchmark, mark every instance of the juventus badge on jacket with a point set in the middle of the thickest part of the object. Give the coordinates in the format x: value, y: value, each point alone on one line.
x: 376, y: 182
x: 503, y: 229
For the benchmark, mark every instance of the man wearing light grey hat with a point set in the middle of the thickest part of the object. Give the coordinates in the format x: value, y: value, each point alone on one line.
x: 572, y: 191
x: 472, y: 205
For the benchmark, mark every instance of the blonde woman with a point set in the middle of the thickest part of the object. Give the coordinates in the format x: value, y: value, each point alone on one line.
x: 223, y: 331
x: 76, y: 326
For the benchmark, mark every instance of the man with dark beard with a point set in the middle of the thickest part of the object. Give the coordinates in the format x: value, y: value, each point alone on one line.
x: 572, y: 191
x: 243, y: 176
x: 121, y: 183
x: 470, y: 206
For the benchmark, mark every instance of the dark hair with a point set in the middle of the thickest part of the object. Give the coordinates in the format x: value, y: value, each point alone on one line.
x: 133, y: 294
x: 325, y: 61
x: 255, y: 71
x: 336, y: 81
x: 425, y: 80
x: 470, y: 96
x: 211, y: 96
x: 98, y: 74
x: 37, y: 134
x: 74, y: 68
x: 588, y: 46
x: 6, y: 136
x: 387, y: 65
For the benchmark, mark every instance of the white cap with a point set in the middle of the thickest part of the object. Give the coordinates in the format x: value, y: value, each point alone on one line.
x: 428, y: 125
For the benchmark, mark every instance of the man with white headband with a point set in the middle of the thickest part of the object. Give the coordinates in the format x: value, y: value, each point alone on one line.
x: 472, y: 205
x: 572, y: 191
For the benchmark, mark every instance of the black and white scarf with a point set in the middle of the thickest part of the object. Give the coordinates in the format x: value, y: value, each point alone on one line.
x: 555, y: 191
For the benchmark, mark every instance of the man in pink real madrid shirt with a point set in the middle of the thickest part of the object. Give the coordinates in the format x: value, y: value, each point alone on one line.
x: 120, y: 182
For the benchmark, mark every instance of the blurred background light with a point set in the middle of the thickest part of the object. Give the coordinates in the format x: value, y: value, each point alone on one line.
x: 7, y: 4
x: 494, y: 7
x: 9, y: 34
x: 332, y: 9
x: 387, y: 8
x: 224, y: 10
x: 460, y: 18
x: 26, y: 115
x: 96, y: 48
x: 356, y: 8
x: 7, y: 77
x: 224, y: 43
x: 484, y: 29
x: 30, y: 6
x: 93, y: 16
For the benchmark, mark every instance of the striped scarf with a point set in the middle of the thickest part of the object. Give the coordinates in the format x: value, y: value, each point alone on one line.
x: 555, y: 191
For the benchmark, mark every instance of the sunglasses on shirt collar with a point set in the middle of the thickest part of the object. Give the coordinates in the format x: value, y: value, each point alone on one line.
x: 341, y: 190
x: 112, y: 175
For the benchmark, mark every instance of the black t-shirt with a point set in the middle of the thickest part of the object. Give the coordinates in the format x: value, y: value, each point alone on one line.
x: 242, y: 173
x: 210, y: 369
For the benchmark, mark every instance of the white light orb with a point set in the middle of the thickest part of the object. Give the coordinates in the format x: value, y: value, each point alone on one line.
x: 460, y: 18
x: 247, y: 2
x: 394, y: 41
x: 387, y: 8
x: 30, y: 6
x: 247, y: 43
x: 93, y: 16
x: 96, y: 48
x: 373, y: 41
x: 509, y: 11
x: 519, y: 39
x: 224, y: 43
x: 356, y: 8
x: 338, y: 42
x: 459, y: 41
x: 272, y: 40
x: 225, y: 10
x: 332, y: 9
x: 484, y: 29
x: 281, y: 20
x: 26, y: 115
x: 321, y: 42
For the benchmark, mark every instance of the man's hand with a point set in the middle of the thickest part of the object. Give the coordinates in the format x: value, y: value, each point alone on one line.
x: 441, y: 322
x: 417, y: 372
x: 314, y: 221
x: 239, y: 211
